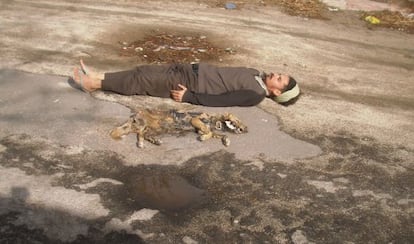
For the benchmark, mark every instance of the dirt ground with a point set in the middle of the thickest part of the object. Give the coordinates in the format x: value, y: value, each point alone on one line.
x: 357, y: 106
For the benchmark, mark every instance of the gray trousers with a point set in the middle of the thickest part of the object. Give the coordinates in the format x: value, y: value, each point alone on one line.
x: 152, y: 80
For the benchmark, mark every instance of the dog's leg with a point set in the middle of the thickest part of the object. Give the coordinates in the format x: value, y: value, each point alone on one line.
x: 224, y: 139
x: 153, y: 140
x: 201, y: 128
x: 140, y: 139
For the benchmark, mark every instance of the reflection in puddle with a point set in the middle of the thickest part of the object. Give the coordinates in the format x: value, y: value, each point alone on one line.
x: 164, y: 191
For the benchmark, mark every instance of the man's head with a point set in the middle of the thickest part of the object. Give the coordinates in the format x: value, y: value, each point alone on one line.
x: 282, y: 88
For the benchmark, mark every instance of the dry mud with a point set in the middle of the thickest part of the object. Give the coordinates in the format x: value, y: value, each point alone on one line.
x: 357, y: 107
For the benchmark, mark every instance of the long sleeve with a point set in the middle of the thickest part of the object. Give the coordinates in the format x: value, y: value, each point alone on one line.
x: 236, y: 98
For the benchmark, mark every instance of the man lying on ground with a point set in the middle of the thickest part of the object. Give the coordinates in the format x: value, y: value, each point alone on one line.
x: 200, y: 84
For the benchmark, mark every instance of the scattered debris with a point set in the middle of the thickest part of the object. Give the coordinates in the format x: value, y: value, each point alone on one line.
x: 165, y: 47
x: 304, y: 8
x: 316, y: 9
x: 389, y: 19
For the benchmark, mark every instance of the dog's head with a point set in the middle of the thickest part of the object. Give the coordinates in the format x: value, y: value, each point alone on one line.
x: 229, y: 122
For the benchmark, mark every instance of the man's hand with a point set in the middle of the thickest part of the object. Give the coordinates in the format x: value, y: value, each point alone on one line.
x: 177, y: 95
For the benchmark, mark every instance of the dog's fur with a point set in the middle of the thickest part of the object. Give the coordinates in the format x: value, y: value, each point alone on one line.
x: 148, y: 124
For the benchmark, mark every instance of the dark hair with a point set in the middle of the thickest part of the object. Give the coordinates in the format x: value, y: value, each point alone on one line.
x: 291, y: 84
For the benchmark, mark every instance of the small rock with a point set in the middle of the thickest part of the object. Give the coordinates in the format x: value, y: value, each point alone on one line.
x: 2, y: 148
x: 299, y: 238
x: 158, y: 49
x: 189, y: 240
x: 229, y: 50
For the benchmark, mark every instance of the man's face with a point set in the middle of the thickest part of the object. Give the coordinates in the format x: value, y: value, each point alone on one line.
x: 277, y: 83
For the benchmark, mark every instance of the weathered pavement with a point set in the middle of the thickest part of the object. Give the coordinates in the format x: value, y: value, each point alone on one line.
x: 62, y: 179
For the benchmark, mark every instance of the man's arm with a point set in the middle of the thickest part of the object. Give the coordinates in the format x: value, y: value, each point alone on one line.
x: 242, y: 98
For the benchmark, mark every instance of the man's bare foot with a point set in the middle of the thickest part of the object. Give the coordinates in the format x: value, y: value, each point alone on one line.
x: 91, y: 73
x: 86, y: 82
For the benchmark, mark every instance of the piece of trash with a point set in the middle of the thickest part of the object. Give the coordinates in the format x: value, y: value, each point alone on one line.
x: 179, y: 48
x: 159, y: 48
x: 139, y: 49
x: 372, y: 19
x: 333, y: 9
x: 229, y: 50
x: 230, y: 6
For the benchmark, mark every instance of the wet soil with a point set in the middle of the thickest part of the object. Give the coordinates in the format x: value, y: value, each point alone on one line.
x: 357, y: 193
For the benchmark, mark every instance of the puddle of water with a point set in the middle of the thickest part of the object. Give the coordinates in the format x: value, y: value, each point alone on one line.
x: 164, y: 191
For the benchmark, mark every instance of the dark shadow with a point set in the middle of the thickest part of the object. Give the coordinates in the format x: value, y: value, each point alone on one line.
x: 19, y: 223
x: 73, y: 84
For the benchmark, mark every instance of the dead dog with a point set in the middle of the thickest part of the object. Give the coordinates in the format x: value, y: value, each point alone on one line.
x: 148, y: 124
